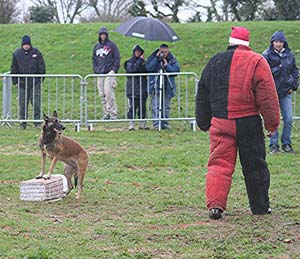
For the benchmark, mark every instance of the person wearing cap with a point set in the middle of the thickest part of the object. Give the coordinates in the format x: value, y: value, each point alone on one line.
x: 236, y: 86
x: 136, y: 87
x: 28, y: 60
x: 106, y: 60
x: 162, y: 59
x: 286, y: 76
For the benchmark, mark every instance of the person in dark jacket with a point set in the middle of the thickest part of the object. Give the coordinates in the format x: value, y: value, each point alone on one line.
x: 286, y: 75
x: 28, y: 60
x: 136, y: 87
x: 106, y: 60
x: 162, y: 58
x: 235, y: 87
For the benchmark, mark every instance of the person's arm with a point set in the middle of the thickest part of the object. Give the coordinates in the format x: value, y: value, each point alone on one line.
x: 172, y: 66
x: 202, y: 109
x: 152, y: 62
x: 94, y: 59
x: 133, y: 67
x: 266, y: 95
x: 41, y: 64
x: 117, y: 59
x: 14, y: 69
x: 294, y: 76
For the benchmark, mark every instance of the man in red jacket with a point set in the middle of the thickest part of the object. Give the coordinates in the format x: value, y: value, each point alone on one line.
x: 236, y: 86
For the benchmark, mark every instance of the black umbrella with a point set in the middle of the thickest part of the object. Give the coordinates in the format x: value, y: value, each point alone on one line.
x: 148, y: 29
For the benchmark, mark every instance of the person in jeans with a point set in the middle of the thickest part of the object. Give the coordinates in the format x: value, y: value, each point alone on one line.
x: 162, y: 58
x: 136, y: 87
x: 236, y: 86
x: 28, y: 60
x: 106, y: 60
x: 285, y: 74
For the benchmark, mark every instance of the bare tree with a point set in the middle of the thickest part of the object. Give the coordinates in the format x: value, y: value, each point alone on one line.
x: 65, y: 10
x: 110, y: 10
x: 168, y: 9
x: 8, y: 11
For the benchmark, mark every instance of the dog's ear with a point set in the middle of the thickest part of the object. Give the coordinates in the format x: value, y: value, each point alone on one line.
x: 55, y: 114
x: 45, y: 117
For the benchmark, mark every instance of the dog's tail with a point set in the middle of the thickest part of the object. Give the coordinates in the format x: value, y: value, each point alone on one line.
x: 75, y: 180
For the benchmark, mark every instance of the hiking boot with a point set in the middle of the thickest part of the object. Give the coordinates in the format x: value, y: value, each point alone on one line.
x: 274, y: 149
x: 131, y: 125
x: 215, y: 213
x: 287, y: 148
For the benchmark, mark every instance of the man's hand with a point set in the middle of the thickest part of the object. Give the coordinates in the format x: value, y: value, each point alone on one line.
x: 290, y: 91
x: 270, y: 133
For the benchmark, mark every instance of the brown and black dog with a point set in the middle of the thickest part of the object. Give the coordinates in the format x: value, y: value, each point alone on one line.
x: 61, y: 148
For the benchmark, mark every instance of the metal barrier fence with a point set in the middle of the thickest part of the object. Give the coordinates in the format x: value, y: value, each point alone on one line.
x: 76, y: 99
x: 182, y: 105
x: 41, y: 93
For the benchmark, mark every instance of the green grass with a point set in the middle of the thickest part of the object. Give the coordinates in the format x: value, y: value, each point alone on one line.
x: 144, y: 197
x: 68, y: 48
x: 144, y: 192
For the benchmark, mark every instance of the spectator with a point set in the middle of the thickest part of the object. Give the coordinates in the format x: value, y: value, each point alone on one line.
x: 106, y: 60
x: 136, y: 88
x: 235, y: 86
x: 285, y: 74
x: 163, y: 59
x: 28, y: 60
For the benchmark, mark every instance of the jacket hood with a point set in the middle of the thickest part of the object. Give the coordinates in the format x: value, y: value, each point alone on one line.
x: 279, y: 35
x: 101, y: 31
x: 137, y: 47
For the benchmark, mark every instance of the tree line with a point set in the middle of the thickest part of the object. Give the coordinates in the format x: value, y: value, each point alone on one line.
x: 70, y: 11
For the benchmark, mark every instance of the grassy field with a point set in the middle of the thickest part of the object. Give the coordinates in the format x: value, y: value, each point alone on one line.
x: 143, y: 197
x: 68, y: 48
x: 144, y: 192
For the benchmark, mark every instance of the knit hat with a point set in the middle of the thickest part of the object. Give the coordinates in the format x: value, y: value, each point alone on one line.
x: 26, y: 40
x: 239, y: 36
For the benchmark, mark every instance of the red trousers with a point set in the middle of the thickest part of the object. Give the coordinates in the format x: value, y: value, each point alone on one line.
x: 226, y: 137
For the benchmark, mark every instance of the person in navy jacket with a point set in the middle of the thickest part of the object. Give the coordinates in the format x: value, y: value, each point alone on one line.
x: 163, y: 59
x: 106, y: 60
x: 28, y: 60
x: 286, y: 75
x: 136, y: 87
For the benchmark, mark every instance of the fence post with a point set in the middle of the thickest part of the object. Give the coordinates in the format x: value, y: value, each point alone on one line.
x: 6, y: 99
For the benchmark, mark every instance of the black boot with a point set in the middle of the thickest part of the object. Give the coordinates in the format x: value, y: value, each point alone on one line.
x: 215, y: 213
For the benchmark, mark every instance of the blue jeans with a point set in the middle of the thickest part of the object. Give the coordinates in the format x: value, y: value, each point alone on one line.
x: 165, y: 112
x: 287, y: 115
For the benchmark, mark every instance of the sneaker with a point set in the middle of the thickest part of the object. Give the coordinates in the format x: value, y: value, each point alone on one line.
x: 269, y: 211
x: 143, y: 126
x: 131, y: 125
x: 215, y: 213
x: 274, y: 149
x: 287, y: 148
x: 105, y: 117
x: 113, y: 117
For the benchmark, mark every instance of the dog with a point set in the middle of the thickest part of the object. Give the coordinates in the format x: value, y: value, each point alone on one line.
x: 61, y: 148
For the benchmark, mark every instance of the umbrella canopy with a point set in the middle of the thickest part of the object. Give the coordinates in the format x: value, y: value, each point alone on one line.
x: 148, y: 29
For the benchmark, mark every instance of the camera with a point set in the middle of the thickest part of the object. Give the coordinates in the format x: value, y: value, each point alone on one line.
x: 161, y: 56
